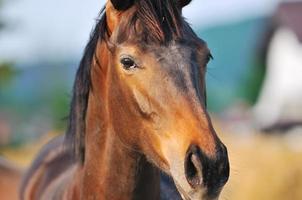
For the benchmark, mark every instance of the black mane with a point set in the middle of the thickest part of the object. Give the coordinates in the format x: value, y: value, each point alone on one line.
x: 162, y: 22
x: 75, y: 134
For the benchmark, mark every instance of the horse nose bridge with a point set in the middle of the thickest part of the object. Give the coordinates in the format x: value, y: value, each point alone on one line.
x: 190, y: 116
x: 205, y: 136
x: 204, y: 129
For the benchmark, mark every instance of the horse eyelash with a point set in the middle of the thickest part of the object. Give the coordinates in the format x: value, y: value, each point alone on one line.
x: 210, y: 57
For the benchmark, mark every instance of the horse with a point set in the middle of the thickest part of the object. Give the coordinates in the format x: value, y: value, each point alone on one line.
x: 138, y: 124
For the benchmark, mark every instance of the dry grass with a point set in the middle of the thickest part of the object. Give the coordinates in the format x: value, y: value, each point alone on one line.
x: 24, y: 155
x: 262, y: 167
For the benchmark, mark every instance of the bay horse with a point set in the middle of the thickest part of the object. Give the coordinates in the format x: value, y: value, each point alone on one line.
x: 138, y: 114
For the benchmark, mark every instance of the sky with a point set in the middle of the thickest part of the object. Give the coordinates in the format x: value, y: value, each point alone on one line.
x: 58, y: 29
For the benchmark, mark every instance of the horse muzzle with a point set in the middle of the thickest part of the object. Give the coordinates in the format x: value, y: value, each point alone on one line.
x: 205, y: 173
x: 204, y: 176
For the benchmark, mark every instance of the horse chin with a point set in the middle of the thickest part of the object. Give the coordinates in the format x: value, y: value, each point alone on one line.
x: 177, y: 172
x: 189, y: 195
x: 184, y: 188
x: 193, y: 194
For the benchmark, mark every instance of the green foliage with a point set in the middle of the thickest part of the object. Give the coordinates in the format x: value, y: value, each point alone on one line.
x: 59, y: 105
x: 7, y: 72
x: 233, y: 47
x: 252, y: 86
x: 1, y: 22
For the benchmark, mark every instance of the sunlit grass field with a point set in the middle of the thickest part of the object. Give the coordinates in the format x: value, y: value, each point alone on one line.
x: 262, y: 167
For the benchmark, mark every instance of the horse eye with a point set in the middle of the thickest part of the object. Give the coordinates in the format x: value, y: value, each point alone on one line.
x: 128, y: 63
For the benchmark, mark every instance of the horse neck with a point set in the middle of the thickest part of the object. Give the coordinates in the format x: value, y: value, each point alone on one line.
x: 111, y: 170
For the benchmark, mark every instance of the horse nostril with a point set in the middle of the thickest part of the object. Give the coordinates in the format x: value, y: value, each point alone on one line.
x: 193, y: 167
x: 211, y: 173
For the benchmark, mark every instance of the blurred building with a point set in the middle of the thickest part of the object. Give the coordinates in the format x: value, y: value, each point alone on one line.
x: 279, y: 105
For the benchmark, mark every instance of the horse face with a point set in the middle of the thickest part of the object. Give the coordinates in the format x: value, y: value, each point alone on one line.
x: 157, y: 104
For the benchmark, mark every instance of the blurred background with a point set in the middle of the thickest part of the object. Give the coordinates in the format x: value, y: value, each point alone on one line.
x: 254, y: 83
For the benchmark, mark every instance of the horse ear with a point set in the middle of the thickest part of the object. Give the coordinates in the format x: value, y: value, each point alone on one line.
x: 122, y: 4
x: 183, y: 3
x: 113, y: 11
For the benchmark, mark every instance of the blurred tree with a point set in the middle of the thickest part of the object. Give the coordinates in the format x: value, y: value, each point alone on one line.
x: 6, y: 68
x: 250, y: 90
x: 7, y: 72
x: 1, y: 22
